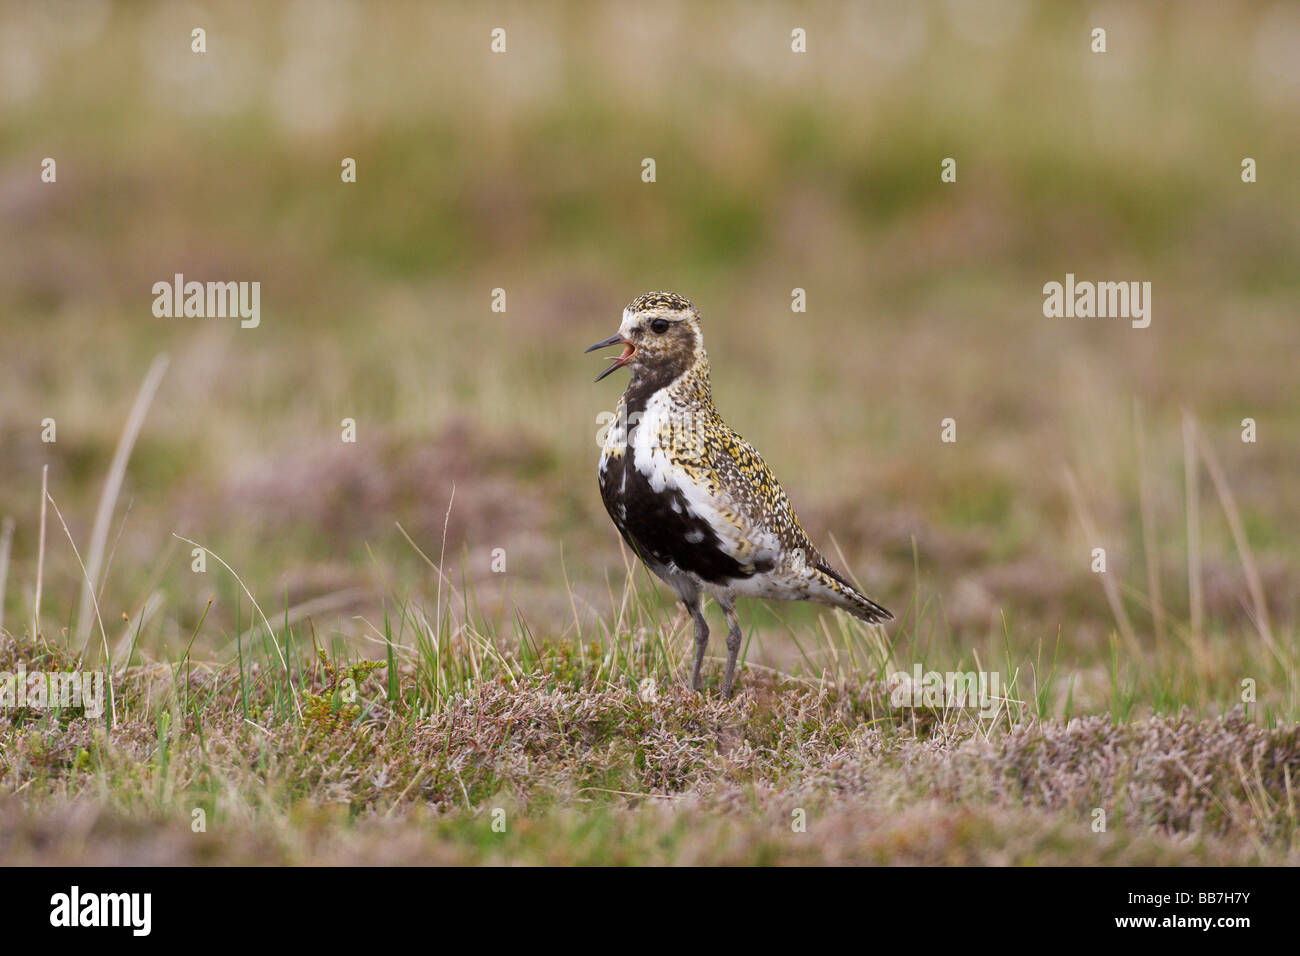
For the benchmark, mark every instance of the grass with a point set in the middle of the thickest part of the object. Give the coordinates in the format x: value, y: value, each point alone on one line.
x: 470, y: 740
x: 597, y: 754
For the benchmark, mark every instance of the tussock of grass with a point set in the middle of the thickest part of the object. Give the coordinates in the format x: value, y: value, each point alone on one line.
x: 462, y: 737
x: 593, y: 767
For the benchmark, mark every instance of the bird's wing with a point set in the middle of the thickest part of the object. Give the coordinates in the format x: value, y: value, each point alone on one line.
x: 755, y: 527
x: 731, y: 487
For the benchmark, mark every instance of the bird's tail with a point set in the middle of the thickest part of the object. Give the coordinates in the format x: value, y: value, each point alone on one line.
x: 839, y: 592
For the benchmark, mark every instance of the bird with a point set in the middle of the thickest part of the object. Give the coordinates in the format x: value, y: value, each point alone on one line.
x: 696, y: 502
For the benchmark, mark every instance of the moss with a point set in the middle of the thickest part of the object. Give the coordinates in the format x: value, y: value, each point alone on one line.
x: 335, y: 709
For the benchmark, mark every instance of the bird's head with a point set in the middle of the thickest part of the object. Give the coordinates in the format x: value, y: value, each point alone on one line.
x: 661, y: 339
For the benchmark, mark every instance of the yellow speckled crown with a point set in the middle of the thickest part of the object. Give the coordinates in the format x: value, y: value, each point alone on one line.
x: 662, y: 301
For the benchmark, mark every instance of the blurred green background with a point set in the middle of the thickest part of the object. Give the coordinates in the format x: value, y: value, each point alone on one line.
x: 775, y: 170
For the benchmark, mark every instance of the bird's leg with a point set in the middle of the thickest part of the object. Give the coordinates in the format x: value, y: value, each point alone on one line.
x: 701, y: 640
x: 733, y: 650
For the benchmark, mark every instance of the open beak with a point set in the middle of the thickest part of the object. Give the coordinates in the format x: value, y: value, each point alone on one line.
x: 620, y: 361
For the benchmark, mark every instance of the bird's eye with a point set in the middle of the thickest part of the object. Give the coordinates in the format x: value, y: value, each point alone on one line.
x: 659, y: 326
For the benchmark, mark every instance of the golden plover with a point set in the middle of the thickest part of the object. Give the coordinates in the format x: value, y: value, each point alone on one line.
x: 691, y: 497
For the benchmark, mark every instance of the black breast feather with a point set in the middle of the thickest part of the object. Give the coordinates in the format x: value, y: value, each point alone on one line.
x: 657, y: 531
